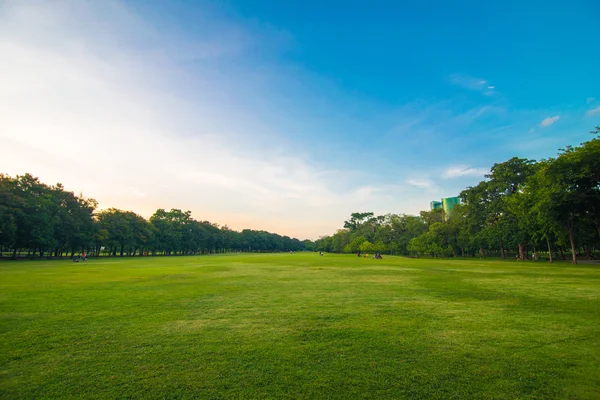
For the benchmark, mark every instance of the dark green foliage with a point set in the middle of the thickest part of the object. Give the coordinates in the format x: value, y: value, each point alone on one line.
x: 523, y: 207
x: 38, y: 217
x: 47, y: 220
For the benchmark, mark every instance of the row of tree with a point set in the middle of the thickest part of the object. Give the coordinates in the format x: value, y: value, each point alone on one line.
x: 523, y: 205
x: 49, y: 221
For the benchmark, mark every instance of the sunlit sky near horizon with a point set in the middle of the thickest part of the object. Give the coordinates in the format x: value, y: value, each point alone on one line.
x: 287, y: 116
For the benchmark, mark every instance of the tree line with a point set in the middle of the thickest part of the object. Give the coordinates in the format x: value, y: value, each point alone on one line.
x: 522, y: 206
x: 43, y: 220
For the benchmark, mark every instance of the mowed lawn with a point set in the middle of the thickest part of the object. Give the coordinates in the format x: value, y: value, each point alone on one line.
x: 299, y: 326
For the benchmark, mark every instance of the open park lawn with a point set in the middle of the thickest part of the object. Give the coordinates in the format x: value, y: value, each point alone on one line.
x: 299, y: 326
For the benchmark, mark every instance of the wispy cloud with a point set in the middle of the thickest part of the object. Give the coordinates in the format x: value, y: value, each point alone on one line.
x: 133, y: 112
x: 472, y: 83
x: 593, y: 111
x: 161, y: 117
x: 152, y: 127
x: 457, y: 171
x: 421, y: 183
x: 590, y: 100
x: 549, y: 121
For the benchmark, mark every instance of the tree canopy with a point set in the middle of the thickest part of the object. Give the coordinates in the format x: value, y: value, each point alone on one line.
x: 48, y: 220
x: 522, y: 205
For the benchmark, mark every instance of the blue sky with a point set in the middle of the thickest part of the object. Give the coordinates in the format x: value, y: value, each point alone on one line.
x: 288, y: 116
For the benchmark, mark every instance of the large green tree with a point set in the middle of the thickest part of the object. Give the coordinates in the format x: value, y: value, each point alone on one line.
x: 567, y: 194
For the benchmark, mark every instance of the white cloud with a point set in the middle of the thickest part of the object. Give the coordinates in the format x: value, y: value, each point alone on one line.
x: 593, y: 111
x: 109, y: 110
x: 549, y: 121
x: 456, y: 171
x: 472, y: 83
x: 421, y: 183
x: 96, y: 98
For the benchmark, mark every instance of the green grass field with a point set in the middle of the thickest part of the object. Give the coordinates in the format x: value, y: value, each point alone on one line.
x: 299, y: 326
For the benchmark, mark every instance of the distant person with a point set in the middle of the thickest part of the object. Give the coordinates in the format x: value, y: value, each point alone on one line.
x: 358, y: 254
x: 84, y: 256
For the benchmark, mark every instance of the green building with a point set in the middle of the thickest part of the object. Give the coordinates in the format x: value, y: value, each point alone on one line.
x: 446, y: 204
x: 436, y: 205
x: 449, y: 203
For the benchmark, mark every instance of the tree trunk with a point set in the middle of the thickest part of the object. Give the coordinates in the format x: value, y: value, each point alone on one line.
x: 501, y: 249
x: 522, y: 251
x: 481, y: 252
x: 122, y: 248
x: 14, y: 256
x: 549, y: 248
x: 589, y: 252
x: 562, y: 253
x: 572, y: 240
